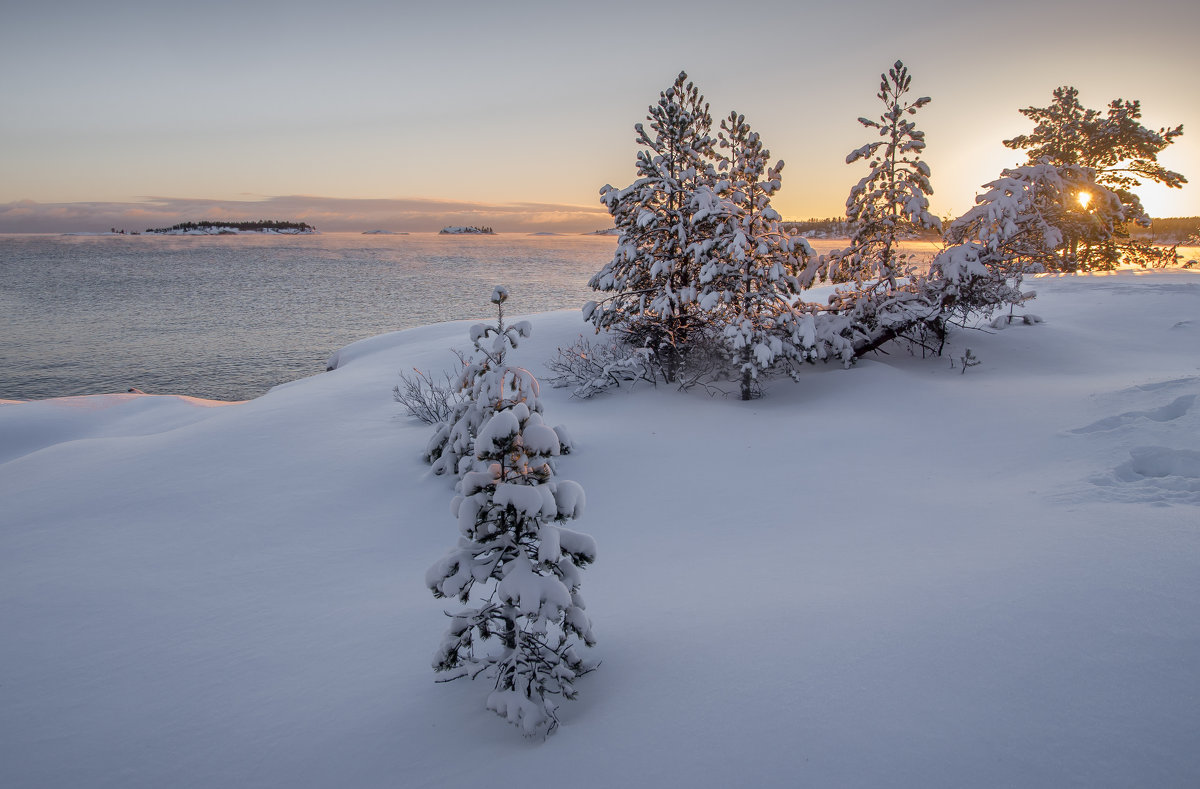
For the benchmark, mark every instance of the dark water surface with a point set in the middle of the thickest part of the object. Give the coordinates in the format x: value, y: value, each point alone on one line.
x: 228, y: 317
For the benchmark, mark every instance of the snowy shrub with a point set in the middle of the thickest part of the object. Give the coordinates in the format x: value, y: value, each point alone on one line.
x: 974, y: 282
x: 428, y: 398
x: 593, y: 367
x: 514, y: 567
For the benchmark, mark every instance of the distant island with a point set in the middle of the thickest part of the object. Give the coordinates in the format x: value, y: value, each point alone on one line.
x: 458, y: 230
x: 206, y: 228
x: 383, y: 233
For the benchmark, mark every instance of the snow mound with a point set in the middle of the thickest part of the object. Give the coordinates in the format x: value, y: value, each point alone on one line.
x: 1173, y: 410
x: 29, y: 427
x: 1172, y: 383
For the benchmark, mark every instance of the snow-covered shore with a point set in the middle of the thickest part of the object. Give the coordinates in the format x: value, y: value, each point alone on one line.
x: 894, y: 575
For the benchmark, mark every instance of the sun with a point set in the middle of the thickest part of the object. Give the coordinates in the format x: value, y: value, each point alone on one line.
x: 1084, y: 198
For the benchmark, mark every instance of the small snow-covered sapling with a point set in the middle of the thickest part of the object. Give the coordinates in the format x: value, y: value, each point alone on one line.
x: 968, y: 359
x: 515, y: 569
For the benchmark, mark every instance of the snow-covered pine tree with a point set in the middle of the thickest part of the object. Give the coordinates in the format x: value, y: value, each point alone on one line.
x: 1121, y: 154
x: 754, y: 270
x: 454, y: 439
x: 654, y: 274
x: 1018, y: 226
x: 890, y: 204
x: 515, y: 567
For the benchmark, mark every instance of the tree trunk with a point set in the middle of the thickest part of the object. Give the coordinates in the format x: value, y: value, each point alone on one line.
x: 509, y: 636
x: 746, y: 378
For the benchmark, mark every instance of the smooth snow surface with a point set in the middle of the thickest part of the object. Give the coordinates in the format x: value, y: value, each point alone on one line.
x: 895, y: 575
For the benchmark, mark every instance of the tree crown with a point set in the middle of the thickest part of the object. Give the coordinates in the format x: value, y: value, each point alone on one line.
x: 1114, y: 143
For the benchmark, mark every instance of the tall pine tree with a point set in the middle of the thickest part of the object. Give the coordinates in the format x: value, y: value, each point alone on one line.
x: 1121, y: 153
x: 654, y: 274
x: 891, y: 201
x: 889, y: 205
x: 754, y: 269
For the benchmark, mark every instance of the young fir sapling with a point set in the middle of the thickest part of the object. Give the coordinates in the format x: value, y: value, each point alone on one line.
x: 514, y: 567
x: 454, y: 438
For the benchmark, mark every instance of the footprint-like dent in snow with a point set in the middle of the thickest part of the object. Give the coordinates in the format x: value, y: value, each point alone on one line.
x: 1153, y: 475
x: 1173, y: 410
x: 1160, y: 462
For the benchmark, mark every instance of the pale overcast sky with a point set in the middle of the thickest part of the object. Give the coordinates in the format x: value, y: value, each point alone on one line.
x: 521, y: 111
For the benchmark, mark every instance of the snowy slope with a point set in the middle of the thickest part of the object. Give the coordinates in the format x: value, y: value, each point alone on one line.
x: 894, y: 575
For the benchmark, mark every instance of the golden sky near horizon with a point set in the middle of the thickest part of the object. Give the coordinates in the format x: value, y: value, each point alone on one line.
x: 408, y: 116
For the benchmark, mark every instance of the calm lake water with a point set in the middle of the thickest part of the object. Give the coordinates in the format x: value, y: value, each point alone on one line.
x: 228, y: 317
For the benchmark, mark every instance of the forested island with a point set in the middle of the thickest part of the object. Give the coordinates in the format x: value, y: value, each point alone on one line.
x: 207, y: 228
x: 459, y: 230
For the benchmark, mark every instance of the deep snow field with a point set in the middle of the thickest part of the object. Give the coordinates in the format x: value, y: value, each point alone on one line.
x: 894, y: 575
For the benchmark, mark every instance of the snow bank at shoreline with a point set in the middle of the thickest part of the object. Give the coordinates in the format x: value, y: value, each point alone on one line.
x: 894, y: 575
